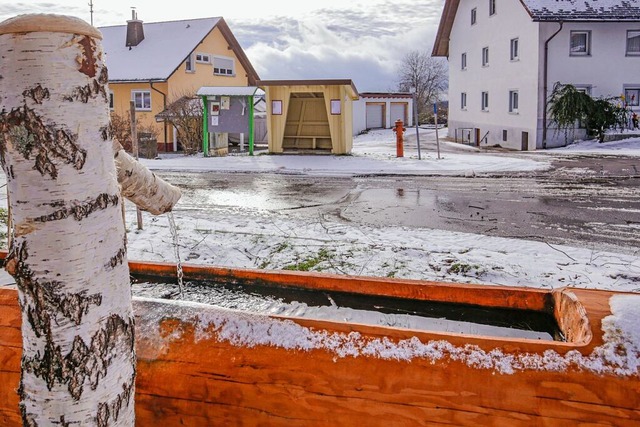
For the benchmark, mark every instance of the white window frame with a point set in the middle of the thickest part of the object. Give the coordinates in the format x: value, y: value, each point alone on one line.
x: 485, y: 56
x: 463, y: 101
x: 484, y: 101
x: 144, y: 98
x: 634, y: 52
x: 492, y: 7
x: 463, y: 61
x: 514, y: 100
x: 474, y: 16
x: 189, y: 64
x: 514, y: 49
x: 203, y: 58
x: 627, y: 99
x: 583, y: 88
x: 587, y: 48
x: 224, y: 71
x: 111, y: 100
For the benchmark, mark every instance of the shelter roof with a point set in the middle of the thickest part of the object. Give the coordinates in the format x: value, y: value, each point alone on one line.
x: 314, y: 82
x: 229, y: 91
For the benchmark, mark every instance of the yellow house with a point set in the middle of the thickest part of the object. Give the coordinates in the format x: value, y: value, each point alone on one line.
x: 314, y: 116
x: 154, y: 64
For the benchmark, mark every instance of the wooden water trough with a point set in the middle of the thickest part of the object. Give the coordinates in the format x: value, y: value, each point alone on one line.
x: 201, y: 365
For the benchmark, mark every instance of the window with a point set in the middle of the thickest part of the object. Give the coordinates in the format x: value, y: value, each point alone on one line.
x: 474, y: 13
x: 203, y: 58
x: 580, y: 44
x: 189, y: 68
x: 513, y: 101
x: 633, y: 42
x: 515, y: 54
x: 463, y: 61
x: 110, y: 100
x: 463, y: 101
x: 141, y: 99
x: 504, y: 134
x: 632, y: 96
x: 223, y: 66
x: 485, y: 56
x: 583, y: 88
x: 484, y: 102
x: 492, y: 7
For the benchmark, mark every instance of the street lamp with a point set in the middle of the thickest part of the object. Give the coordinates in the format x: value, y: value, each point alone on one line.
x: 413, y: 91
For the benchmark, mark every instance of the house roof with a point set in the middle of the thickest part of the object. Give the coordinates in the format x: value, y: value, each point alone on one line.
x: 164, y: 48
x: 548, y: 10
x: 582, y: 10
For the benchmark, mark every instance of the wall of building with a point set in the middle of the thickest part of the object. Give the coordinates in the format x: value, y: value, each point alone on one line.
x: 122, y: 95
x: 182, y: 82
x: 501, y: 76
x: 605, y: 71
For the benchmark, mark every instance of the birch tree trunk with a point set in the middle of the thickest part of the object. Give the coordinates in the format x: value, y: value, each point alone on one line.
x: 68, y: 253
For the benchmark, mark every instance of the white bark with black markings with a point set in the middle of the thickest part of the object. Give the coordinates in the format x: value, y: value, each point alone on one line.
x: 68, y: 253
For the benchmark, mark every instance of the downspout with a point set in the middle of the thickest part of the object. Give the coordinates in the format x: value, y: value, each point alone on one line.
x: 250, y: 100
x: 545, y: 85
x: 164, y: 107
x: 205, y: 127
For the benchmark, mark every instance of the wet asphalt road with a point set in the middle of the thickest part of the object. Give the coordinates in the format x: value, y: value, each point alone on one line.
x: 584, y: 201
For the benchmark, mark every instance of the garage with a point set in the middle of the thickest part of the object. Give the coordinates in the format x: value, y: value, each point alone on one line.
x: 399, y: 112
x: 375, y: 115
x: 309, y: 116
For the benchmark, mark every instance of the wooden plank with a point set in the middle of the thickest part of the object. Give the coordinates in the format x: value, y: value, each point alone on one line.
x: 192, y: 376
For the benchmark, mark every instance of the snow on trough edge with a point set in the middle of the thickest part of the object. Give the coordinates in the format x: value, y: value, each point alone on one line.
x: 619, y: 354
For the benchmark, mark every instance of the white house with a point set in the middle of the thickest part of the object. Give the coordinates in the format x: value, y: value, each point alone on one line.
x: 505, y: 57
x: 377, y: 110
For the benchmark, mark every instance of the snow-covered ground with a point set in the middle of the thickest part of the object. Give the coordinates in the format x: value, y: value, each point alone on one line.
x: 253, y: 240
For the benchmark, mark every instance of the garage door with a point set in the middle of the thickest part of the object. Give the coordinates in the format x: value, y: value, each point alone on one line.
x: 398, y: 111
x: 375, y: 116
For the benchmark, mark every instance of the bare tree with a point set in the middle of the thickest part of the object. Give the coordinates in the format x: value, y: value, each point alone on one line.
x: 428, y: 75
x: 186, y: 114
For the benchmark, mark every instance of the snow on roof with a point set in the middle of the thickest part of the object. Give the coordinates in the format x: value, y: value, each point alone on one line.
x: 229, y: 91
x: 583, y: 10
x: 165, y: 46
x: 385, y: 95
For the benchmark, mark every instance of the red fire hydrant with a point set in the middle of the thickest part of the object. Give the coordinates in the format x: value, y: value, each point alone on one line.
x: 399, y: 130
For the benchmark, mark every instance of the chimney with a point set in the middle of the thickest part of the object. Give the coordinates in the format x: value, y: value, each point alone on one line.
x: 135, y: 32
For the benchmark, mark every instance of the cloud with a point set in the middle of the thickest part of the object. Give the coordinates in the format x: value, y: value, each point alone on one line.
x: 364, y: 42
x: 362, y: 45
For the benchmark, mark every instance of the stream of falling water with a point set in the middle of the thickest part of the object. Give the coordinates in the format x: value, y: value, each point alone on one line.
x: 176, y: 249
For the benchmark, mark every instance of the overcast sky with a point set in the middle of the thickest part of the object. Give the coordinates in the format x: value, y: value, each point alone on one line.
x: 364, y: 41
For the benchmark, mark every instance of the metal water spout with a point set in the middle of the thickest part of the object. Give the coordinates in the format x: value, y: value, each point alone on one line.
x: 68, y: 250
